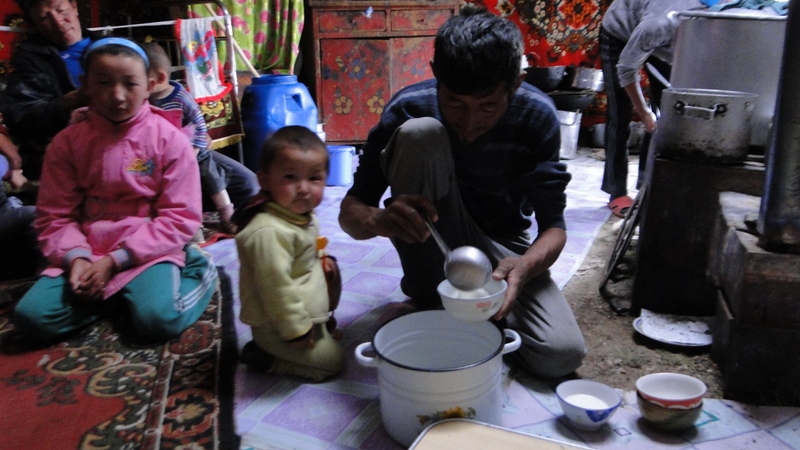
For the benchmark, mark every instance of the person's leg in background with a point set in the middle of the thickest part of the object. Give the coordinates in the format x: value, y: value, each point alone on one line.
x: 163, y: 300
x: 619, y: 112
x: 214, y: 180
x: 242, y: 182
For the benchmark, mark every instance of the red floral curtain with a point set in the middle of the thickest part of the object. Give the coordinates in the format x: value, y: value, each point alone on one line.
x: 11, y: 17
x: 556, y: 32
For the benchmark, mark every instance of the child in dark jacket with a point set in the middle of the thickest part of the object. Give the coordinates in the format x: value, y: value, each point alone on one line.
x: 19, y: 252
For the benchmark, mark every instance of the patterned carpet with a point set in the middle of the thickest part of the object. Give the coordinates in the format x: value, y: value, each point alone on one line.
x: 344, y: 413
x: 99, y: 388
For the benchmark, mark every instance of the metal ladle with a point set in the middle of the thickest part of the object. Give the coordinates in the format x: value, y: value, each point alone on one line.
x: 466, y: 268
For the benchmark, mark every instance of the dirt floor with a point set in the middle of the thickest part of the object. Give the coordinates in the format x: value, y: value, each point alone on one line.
x: 617, y: 354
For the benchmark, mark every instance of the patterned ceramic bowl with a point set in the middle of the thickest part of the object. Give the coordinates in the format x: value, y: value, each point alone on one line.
x: 668, y: 419
x: 671, y: 390
x: 476, y: 305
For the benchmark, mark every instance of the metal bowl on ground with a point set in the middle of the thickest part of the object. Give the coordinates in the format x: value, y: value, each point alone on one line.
x: 545, y: 78
x: 572, y: 100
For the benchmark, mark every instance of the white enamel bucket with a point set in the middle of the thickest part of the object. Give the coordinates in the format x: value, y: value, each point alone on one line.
x: 433, y: 366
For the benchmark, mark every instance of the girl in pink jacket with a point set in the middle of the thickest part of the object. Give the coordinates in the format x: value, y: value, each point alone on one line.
x: 119, y: 201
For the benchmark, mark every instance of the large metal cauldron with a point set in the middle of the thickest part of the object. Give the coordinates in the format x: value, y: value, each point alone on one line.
x: 432, y: 366
x: 705, y: 124
x: 734, y: 51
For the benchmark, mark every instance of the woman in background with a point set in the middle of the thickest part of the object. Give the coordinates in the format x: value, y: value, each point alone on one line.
x: 633, y: 32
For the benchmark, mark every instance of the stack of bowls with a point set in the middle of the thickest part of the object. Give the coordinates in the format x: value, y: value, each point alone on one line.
x: 670, y: 401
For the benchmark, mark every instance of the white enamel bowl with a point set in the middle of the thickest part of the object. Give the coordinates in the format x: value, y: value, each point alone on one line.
x: 587, y: 404
x: 475, y: 305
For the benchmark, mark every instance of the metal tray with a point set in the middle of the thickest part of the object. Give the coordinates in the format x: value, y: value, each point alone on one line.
x: 466, y: 434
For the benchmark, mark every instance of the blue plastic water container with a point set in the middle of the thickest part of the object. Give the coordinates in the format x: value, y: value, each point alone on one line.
x: 341, y: 173
x: 272, y: 102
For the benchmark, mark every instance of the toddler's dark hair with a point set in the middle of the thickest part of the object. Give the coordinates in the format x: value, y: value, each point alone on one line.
x: 291, y: 136
x: 294, y: 136
x: 159, y: 60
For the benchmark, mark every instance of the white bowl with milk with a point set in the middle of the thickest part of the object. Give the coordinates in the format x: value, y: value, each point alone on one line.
x: 476, y: 305
x: 587, y: 404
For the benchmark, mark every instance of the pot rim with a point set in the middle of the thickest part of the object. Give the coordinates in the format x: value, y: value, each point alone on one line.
x: 708, y: 92
x: 745, y: 15
x: 494, y: 354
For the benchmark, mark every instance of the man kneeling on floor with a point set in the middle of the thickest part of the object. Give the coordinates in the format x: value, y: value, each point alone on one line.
x: 476, y: 150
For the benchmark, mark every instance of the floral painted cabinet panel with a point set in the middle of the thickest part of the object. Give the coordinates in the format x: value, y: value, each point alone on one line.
x: 364, y: 52
x: 355, y: 86
x: 411, y: 58
x: 359, y: 76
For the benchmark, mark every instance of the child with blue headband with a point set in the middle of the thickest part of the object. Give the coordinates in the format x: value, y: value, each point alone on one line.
x: 119, y: 201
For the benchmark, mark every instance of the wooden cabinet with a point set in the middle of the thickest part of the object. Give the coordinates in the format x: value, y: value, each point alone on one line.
x: 359, y: 53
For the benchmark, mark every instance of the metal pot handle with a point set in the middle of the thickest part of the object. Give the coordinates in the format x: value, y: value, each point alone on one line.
x: 366, y: 361
x: 719, y: 109
x: 509, y: 347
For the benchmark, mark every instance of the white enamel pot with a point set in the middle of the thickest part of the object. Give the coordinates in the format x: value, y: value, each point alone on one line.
x: 433, y: 366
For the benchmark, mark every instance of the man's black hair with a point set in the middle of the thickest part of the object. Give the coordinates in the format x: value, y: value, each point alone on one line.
x: 476, y: 50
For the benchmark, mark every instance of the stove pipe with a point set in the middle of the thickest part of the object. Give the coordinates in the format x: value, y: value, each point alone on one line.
x: 779, y: 215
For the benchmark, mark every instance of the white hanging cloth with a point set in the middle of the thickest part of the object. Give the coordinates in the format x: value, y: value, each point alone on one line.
x: 204, y: 76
